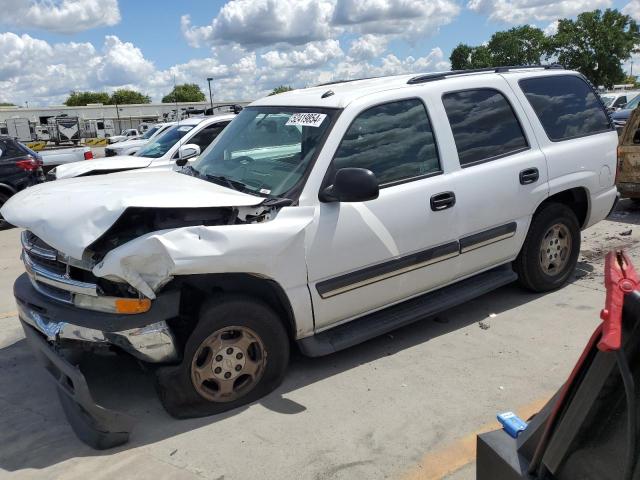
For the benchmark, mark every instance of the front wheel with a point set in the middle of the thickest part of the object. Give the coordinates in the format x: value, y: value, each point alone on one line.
x: 550, y: 251
x: 237, y: 353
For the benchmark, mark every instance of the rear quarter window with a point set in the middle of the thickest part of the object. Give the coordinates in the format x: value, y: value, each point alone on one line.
x: 566, y: 106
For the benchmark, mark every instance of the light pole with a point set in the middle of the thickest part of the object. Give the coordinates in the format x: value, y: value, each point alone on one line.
x: 209, y: 79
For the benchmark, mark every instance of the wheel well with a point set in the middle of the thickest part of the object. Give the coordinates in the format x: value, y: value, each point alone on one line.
x: 6, y: 190
x: 196, y: 289
x: 575, y: 198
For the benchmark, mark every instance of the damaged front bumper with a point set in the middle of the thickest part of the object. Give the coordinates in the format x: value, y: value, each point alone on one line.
x: 51, y: 326
x: 97, y: 426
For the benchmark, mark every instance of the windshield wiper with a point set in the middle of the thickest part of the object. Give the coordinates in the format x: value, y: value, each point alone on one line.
x: 227, y: 182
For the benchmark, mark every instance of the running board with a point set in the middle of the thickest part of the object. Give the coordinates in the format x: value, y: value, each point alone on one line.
x: 383, y: 321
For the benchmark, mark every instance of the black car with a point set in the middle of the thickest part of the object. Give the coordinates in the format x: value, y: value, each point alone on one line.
x: 20, y: 167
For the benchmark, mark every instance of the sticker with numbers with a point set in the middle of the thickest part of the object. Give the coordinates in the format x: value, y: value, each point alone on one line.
x: 307, y: 119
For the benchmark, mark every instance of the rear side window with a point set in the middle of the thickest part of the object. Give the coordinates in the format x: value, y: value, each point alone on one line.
x: 9, y: 149
x: 393, y: 140
x: 484, y: 125
x: 566, y: 106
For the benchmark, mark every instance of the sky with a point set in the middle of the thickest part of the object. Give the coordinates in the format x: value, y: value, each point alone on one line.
x: 51, y: 47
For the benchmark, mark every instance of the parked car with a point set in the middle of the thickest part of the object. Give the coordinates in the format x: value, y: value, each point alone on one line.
x: 319, y: 218
x: 62, y: 156
x: 20, y: 167
x: 621, y: 116
x: 130, y: 147
x: 617, y: 100
x: 127, y: 134
x: 185, y: 141
x: 628, y: 174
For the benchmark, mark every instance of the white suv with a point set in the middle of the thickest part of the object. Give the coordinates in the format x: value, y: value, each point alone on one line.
x: 319, y: 218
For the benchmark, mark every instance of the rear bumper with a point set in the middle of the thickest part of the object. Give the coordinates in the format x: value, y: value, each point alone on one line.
x: 629, y: 190
x: 97, y: 426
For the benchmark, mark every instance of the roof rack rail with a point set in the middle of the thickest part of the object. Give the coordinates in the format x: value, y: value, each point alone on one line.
x: 430, y: 77
x: 334, y: 82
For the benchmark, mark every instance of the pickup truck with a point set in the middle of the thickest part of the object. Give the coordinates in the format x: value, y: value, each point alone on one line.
x: 127, y: 134
x: 318, y: 218
x: 628, y: 177
x: 62, y: 156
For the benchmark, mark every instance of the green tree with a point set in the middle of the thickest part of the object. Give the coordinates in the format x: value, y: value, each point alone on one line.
x: 7, y: 104
x: 523, y: 45
x: 596, y: 43
x: 80, y: 99
x: 124, y: 96
x: 187, y: 92
x: 518, y: 46
x: 464, y: 57
x: 280, y: 89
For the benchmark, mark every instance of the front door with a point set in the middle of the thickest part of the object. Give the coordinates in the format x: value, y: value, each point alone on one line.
x: 367, y: 255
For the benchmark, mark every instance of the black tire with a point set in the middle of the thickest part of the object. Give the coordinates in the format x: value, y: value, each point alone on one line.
x: 528, y: 265
x: 176, y: 389
x: 4, y: 225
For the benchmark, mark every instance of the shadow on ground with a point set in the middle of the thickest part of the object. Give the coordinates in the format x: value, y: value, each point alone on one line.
x: 34, y: 432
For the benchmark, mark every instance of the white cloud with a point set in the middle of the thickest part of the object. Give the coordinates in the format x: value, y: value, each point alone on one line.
x: 551, y: 29
x: 314, y: 54
x: 252, y: 23
x: 263, y: 22
x: 122, y: 63
x: 407, y: 18
x: 526, y: 11
x: 368, y: 46
x: 633, y: 9
x: 62, y: 16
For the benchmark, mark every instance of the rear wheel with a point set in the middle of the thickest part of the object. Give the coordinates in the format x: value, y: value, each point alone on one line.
x: 550, y: 251
x: 237, y: 354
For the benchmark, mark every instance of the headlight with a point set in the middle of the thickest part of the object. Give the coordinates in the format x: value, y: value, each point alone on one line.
x: 112, y: 304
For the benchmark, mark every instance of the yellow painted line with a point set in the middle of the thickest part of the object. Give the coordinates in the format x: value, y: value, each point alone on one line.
x: 437, y: 464
x: 8, y: 314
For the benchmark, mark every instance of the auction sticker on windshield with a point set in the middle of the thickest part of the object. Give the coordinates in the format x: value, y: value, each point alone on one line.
x: 306, y: 119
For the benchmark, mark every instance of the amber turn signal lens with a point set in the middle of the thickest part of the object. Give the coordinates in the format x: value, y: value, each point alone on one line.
x: 132, y: 305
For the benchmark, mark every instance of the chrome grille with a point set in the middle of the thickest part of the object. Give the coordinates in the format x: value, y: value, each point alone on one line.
x: 50, y: 272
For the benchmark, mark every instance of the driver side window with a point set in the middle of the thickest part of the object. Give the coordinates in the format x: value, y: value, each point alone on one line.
x: 393, y: 140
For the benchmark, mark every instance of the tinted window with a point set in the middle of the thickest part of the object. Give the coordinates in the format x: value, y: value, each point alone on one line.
x: 566, y: 106
x: 393, y: 140
x: 484, y: 125
x: 620, y: 102
x: 10, y: 149
x: 207, y: 135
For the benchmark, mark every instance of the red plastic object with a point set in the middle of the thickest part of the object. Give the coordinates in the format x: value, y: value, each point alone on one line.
x: 620, y: 278
x: 88, y: 155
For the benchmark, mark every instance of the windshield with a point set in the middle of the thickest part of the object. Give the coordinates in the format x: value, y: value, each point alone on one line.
x: 147, y: 135
x: 265, y: 150
x: 633, y: 103
x: 163, y: 143
x: 607, y: 99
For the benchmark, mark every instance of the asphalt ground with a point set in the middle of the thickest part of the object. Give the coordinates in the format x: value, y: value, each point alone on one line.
x: 403, y: 406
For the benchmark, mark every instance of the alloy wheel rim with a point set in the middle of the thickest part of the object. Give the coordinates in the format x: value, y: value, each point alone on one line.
x: 555, y: 249
x: 228, y: 364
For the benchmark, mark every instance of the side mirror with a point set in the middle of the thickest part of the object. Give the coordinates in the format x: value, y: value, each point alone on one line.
x: 185, y: 152
x: 352, y: 185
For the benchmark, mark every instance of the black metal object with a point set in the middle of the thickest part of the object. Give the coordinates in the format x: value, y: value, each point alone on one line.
x: 430, y: 77
x: 95, y: 425
x: 589, y: 436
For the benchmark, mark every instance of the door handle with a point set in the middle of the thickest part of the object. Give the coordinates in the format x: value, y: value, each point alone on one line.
x: 442, y: 201
x: 529, y: 175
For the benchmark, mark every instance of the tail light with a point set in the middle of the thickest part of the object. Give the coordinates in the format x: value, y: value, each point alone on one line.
x: 88, y: 155
x: 29, y: 164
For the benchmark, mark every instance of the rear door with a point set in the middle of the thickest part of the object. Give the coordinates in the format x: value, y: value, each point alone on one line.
x: 503, y: 173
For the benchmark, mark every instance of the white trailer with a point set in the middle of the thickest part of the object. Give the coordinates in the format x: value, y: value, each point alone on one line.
x: 20, y: 129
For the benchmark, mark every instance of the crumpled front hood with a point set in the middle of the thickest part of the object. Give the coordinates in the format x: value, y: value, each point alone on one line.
x: 71, y: 214
x: 121, y: 162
